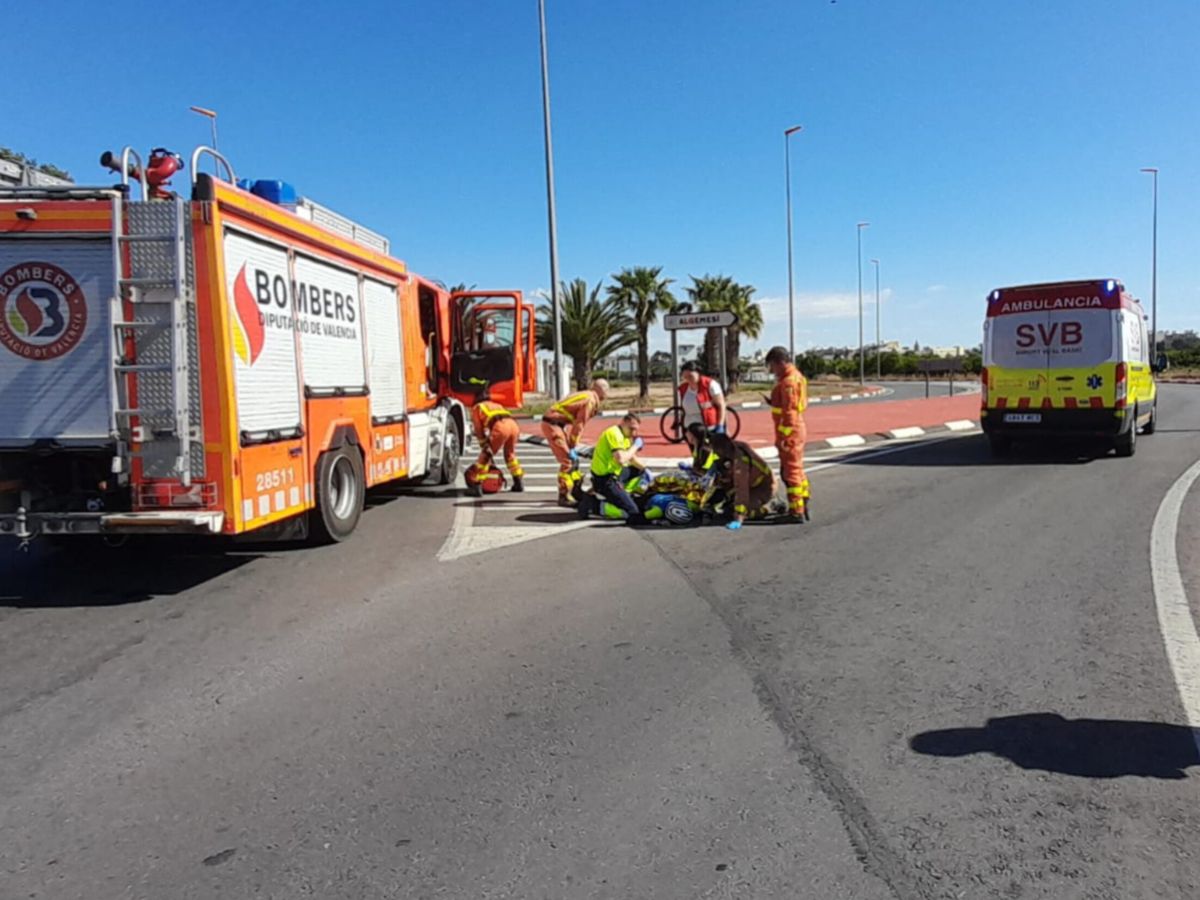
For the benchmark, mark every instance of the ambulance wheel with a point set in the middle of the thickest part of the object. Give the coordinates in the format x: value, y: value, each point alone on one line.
x: 1126, y: 443
x: 1153, y: 423
x: 341, y: 488
x: 451, y: 455
x: 1001, y: 445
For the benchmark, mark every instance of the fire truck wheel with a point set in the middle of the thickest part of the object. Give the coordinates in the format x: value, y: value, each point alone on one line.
x: 451, y: 455
x: 340, y: 492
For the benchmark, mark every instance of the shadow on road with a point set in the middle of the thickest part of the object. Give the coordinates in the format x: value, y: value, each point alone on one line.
x: 1086, y: 748
x: 57, y: 578
x: 548, y: 518
x: 381, y: 496
x: 975, y: 452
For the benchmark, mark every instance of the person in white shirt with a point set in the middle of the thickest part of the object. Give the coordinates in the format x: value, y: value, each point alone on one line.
x: 702, y: 398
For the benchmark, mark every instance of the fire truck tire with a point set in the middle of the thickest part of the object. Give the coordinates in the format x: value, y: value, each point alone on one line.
x: 451, y: 455
x: 341, y: 488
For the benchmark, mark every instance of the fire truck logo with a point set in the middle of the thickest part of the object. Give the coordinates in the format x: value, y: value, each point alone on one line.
x: 248, y: 332
x: 43, y: 311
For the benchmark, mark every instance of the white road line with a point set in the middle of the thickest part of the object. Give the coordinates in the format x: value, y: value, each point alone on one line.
x: 962, y: 425
x: 1174, y: 613
x: 464, y: 518
x: 846, y: 440
x: 911, y: 431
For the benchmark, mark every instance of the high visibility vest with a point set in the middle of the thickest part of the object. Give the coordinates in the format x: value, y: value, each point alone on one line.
x: 703, y: 389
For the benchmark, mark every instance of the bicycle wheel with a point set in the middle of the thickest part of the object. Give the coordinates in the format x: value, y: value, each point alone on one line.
x: 733, y: 423
x: 672, y: 425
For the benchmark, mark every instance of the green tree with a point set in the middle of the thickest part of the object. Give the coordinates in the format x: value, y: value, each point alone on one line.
x: 720, y: 293
x: 592, y: 328
x: 642, y: 294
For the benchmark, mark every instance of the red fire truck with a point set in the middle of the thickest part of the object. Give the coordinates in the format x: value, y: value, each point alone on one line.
x: 236, y: 361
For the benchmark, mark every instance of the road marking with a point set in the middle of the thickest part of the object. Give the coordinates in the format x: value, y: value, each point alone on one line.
x: 846, y: 440
x: 1174, y: 614
x: 911, y: 431
x: 962, y: 425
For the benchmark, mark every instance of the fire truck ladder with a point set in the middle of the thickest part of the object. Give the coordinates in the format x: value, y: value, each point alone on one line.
x: 151, y: 316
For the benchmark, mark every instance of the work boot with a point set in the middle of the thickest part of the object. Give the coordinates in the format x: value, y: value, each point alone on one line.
x: 586, y: 503
x: 565, y: 502
x: 518, y: 485
x: 474, y: 490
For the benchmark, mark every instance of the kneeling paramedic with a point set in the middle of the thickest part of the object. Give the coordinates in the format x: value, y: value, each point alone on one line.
x: 496, y: 431
x: 613, y: 454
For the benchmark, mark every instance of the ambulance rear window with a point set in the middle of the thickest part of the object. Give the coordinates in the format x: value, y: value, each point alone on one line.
x: 1061, y: 340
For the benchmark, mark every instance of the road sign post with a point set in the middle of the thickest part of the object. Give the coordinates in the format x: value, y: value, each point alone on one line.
x: 940, y: 367
x: 689, y: 321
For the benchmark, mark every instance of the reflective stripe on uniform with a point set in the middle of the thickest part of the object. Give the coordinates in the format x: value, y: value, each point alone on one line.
x: 560, y: 406
x: 785, y: 430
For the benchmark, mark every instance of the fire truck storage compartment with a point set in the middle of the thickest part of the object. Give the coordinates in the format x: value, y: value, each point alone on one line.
x: 54, y: 347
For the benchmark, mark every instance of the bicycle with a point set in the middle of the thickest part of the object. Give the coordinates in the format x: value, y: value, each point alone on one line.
x: 673, y: 428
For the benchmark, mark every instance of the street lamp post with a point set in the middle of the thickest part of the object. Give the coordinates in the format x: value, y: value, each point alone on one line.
x: 1154, y: 271
x: 878, y: 341
x: 787, y: 164
x: 555, y: 300
x: 862, y: 353
x: 211, y: 115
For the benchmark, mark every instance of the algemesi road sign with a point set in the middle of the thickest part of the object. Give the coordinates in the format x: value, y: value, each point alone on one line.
x: 680, y: 321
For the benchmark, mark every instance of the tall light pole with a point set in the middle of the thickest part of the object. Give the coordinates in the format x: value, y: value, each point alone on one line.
x: 878, y: 342
x: 555, y: 300
x: 787, y: 165
x: 1154, y: 272
x: 211, y: 115
x: 862, y: 353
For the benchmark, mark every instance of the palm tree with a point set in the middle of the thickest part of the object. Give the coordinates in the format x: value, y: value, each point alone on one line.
x: 716, y: 293
x: 591, y: 328
x: 643, y: 295
x: 707, y: 294
x: 749, y: 323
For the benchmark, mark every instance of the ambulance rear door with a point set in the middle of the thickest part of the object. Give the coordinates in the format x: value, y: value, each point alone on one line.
x: 1018, y: 365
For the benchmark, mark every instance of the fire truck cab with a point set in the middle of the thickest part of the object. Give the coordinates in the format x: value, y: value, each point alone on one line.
x: 241, y: 360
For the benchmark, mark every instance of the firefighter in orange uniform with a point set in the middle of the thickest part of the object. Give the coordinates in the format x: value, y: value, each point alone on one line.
x: 563, y: 425
x: 788, y: 399
x: 495, y: 431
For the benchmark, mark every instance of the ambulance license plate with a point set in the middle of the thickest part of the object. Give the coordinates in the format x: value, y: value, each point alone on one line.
x: 1023, y: 418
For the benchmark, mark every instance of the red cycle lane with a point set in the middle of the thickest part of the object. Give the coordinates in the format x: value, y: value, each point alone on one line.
x: 823, y: 422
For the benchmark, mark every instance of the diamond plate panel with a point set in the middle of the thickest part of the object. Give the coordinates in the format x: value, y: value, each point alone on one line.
x: 155, y: 346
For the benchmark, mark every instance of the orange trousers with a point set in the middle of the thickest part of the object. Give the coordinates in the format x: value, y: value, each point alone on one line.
x: 504, y: 436
x: 556, y: 437
x: 791, y: 467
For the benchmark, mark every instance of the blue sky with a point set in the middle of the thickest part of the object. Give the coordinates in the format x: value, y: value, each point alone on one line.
x: 987, y: 143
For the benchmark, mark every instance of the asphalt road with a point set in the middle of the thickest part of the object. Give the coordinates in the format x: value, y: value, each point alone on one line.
x: 951, y: 684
